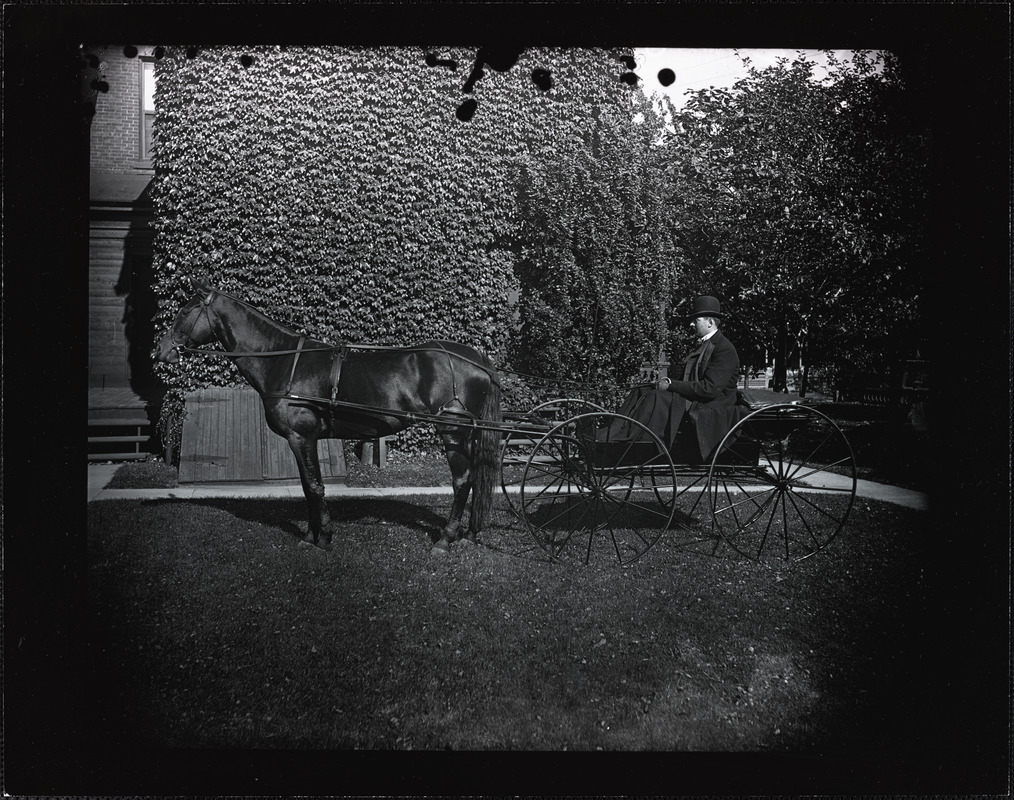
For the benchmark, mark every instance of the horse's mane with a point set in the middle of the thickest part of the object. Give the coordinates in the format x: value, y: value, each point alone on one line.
x: 264, y: 324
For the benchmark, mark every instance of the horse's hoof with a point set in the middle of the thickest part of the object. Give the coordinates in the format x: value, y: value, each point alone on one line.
x: 468, y: 540
x: 440, y: 548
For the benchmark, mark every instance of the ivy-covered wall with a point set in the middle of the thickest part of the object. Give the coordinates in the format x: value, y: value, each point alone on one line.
x: 338, y: 190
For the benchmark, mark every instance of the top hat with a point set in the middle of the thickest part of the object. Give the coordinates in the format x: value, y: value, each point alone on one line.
x: 705, y: 306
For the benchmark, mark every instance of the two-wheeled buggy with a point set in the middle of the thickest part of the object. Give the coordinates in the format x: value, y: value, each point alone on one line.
x: 781, y: 483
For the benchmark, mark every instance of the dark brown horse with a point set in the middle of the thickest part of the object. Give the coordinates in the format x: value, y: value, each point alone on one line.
x: 311, y: 389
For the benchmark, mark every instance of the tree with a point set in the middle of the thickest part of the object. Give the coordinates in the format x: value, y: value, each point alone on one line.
x: 805, y: 203
x: 597, y: 260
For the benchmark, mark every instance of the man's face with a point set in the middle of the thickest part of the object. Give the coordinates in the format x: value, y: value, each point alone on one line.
x: 701, y: 326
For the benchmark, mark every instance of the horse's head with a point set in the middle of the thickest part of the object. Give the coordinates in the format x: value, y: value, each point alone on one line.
x: 192, y: 327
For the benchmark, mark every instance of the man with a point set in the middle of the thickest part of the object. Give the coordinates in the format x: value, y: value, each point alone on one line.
x: 708, y: 386
x: 700, y: 405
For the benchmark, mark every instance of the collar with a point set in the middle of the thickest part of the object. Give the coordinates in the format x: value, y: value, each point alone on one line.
x: 702, y: 341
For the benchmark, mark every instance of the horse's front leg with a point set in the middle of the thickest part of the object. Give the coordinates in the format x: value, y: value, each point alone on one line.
x: 305, y: 449
x: 456, y: 446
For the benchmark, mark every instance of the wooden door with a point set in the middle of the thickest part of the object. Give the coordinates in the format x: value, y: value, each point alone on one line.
x: 226, y: 438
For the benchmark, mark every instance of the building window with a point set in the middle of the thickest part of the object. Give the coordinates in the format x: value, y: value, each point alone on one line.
x: 147, y: 106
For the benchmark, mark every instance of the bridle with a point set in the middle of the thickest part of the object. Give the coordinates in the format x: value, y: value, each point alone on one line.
x: 185, y: 345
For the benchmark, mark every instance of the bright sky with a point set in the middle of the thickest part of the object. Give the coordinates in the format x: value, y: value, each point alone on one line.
x: 699, y: 68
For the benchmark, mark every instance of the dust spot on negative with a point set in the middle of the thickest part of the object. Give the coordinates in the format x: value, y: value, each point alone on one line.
x: 130, y: 51
x: 629, y: 78
x: 543, y: 79
x: 246, y: 60
x: 466, y: 110
x: 666, y: 76
x: 433, y: 61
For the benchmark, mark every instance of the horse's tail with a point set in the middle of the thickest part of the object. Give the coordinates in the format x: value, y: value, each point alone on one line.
x: 486, y: 456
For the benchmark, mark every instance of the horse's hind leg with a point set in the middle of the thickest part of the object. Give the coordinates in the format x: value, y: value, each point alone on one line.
x: 456, y: 446
x: 319, y: 530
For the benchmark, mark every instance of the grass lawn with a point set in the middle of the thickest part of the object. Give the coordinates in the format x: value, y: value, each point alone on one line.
x: 210, y: 628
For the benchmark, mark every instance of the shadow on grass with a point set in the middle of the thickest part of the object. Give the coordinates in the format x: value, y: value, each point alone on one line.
x: 290, y: 515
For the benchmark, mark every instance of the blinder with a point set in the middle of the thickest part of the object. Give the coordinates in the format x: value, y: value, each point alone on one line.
x: 180, y: 346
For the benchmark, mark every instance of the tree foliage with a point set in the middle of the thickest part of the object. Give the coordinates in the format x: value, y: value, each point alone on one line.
x: 805, y: 201
x: 597, y: 259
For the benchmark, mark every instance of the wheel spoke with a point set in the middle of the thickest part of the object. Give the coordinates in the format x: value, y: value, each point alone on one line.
x: 634, y: 529
x: 543, y: 490
x: 827, y: 438
x: 693, y: 508
x: 557, y: 545
x: 795, y: 476
x: 757, y: 515
x: 785, y: 526
x: 642, y: 508
x: 750, y: 498
x: 610, y: 476
x: 767, y: 528
x: 701, y: 477
x: 815, y: 507
x: 744, y: 490
x: 568, y: 510
x: 741, y: 530
x: 535, y: 469
x: 802, y: 518
x: 740, y: 448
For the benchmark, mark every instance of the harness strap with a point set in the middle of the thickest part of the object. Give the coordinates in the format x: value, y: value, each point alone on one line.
x: 338, y: 356
x: 295, y: 360
x: 454, y: 379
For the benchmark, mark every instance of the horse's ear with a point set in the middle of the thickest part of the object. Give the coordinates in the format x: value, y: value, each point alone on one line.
x: 201, y: 287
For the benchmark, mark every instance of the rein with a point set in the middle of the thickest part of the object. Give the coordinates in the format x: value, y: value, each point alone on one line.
x: 299, y: 349
x: 330, y: 348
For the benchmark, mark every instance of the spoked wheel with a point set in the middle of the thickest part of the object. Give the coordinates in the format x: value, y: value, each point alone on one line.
x: 782, y: 483
x: 586, y: 492
x: 519, y: 444
x: 688, y: 490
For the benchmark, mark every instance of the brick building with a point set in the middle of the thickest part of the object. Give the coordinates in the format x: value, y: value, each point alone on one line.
x: 118, y: 83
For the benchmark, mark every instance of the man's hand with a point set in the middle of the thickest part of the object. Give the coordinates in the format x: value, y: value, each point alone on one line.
x: 663, y: 384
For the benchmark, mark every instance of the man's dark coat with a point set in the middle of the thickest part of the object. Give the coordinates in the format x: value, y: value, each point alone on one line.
x: 709, y: 385
x: 707, y: 389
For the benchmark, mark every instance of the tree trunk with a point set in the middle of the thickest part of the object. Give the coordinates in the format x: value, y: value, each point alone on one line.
x: 780, y: 379
x: 804, y: 366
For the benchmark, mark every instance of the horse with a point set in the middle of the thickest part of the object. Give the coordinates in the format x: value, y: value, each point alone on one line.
x: 311, y: 389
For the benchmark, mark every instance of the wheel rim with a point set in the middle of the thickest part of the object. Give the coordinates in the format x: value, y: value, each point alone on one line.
x: 588, y: 498
x: 518, y: 445
x: 782, y: 483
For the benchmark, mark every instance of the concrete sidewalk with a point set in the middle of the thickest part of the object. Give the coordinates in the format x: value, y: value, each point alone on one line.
x: 99, y: 476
